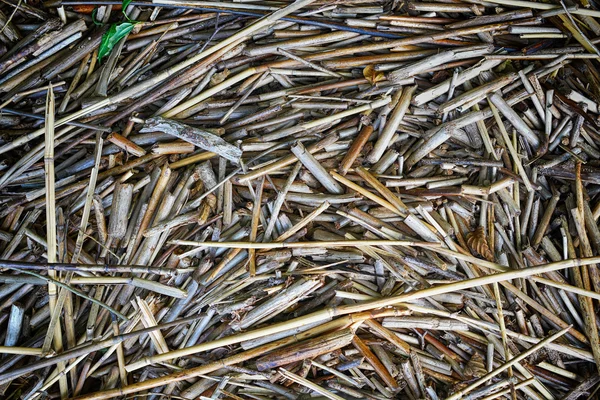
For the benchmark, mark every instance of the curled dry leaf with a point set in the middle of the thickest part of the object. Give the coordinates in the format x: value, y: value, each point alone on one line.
x: 372, y: 75
x: 475, y: 368
x: 477, y: 242
x: 208, y: 207
x: 219, y: 77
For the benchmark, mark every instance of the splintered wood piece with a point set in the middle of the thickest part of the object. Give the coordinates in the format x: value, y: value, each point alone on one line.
x: 204, y: 140
x: 306, y: 350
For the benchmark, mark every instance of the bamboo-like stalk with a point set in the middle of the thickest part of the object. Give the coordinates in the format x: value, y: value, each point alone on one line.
x: 384, y: 191
x: 317, y: 146
x: 582, y: 277
x: 316, y: 169
x: 374, y: 361
x: 431, y: 143
x: 86, y: 350
x: 122, y: 198
x: 392, y: 124
x: 305, y: 221
x: 87, y: 268
x: 21, y: 350
x: 508, y: 364
x: 545, y: 312
x: 566, y: 287
x: 295, y: 245
x: 305, y: 382
x: 256, y: 214
x: 171, y: 71
x: 88, y: 199
x: 511, y: 148
x: 467, y: 99
x: 299, y: 43
x: 366, y: 193
x: 137, y: 282
x: 281, y: 196
x: 55, y: 335
x: 15, y: 322
x: 514, y: 119
x: 125, y: 144
x: 307, y: 349
x: 389, y: 335
x: 355, y: 149
x: 120, y: 356
x: 543, y: 225
x: 340, y: 323
x: 327, y: 313
x: 308, y: 63
x: 433, y: 61
x: 510, y: 390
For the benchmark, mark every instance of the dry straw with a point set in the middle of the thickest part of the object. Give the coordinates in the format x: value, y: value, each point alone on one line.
x: 251, y: 200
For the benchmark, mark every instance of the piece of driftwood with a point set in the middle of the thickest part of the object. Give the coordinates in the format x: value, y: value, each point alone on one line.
x: 197, y: 137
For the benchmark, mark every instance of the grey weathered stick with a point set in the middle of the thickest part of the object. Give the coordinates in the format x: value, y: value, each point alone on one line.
x: 15, y: 321
x: 281, y: 196
x: 320, y: 173
x: 117, y: 225
x: 435, y: 60
x: 463, y: 76
x: 204, y: 140
x: 392, y: 124
x: 514, y: 119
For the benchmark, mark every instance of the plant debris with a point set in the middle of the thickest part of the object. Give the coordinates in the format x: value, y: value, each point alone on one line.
x: 287, y: 200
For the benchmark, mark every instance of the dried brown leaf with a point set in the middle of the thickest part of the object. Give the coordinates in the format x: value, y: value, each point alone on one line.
x: 373, y: 76
x: 219, y: 77
x: 477, y: 242
x: 208, y: 207
x: 475, y: 368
